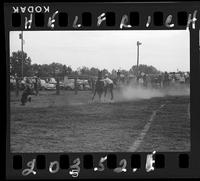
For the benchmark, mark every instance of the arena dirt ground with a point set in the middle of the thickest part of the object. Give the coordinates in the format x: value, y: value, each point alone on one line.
x: 69, y: 123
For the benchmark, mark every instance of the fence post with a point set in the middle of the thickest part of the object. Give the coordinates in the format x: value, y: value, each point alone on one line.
x: 57, y: 86
x: 75, y: 85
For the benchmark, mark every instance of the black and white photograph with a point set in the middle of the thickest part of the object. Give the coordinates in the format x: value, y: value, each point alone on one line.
x: 99, y: 91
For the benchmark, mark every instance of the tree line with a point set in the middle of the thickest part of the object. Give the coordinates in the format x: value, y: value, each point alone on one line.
x: 57, y: 69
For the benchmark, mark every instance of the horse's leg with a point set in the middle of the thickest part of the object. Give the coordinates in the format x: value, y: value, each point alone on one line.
x: 111, y: 91
x: 99, y: 96
x: 94, y: 95
x: 105, y: 92
x: 29, y: 97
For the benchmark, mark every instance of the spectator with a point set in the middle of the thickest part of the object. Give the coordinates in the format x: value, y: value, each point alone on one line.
x: 166, y: 80
x: 36, y: 85
x: 182, y: 78
x: 17, y: 85
x: 187, y: 78
x: 145, y: 80
x: 173, y: 78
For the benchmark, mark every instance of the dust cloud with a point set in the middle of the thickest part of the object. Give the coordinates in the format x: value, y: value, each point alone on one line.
x: 129, y: 93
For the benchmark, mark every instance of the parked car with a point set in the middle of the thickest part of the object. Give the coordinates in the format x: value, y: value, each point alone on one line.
x: 69, y: 84
x: 86, y: 85
x: 80, y: 87
x: 61, y: 84
x: 42, y: 84
x: 52, y: 81
x: 50, y: 86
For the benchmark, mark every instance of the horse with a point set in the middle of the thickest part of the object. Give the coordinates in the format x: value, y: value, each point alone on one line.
x: 99, y: 88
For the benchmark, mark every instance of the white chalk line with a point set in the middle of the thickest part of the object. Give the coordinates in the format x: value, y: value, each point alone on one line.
x: 140, y: 138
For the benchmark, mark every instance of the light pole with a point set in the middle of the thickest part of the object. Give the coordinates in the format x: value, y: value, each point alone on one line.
x: 138, y: 44
x: 22, y: 49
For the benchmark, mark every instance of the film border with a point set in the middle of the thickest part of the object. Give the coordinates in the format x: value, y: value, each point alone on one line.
x: 171, y: 159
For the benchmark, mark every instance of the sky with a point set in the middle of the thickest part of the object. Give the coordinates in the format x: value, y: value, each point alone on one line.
x: 167, y: 50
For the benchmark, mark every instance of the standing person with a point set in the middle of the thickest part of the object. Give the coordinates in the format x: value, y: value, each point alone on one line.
x: 75, y: 86
x: 90, y: 83
x: 182, y: 78
x: 17, y: 85
x: 187, y: 78
x: 145, y: 80
x: 108, y: 85
x: 159, y: 80
x: 93, y: 85
x: 140, y: 79
x: 173, y: 80
x: 166, y: 80
x: 137, y: 77
x: 36, y: 86
x: 148, y: 77
x: 118, y: 74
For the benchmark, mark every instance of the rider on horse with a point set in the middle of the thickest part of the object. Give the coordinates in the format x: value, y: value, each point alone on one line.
x: 102, y: 85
